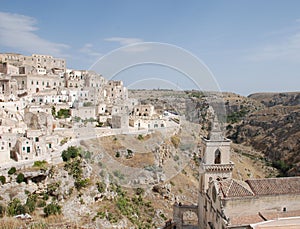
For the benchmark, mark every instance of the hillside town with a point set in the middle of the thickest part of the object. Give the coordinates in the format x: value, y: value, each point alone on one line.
x: 45, y: 105
x: 46, y: 109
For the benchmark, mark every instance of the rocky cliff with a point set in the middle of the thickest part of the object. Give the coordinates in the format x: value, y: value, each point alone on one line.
x: 273, y: 130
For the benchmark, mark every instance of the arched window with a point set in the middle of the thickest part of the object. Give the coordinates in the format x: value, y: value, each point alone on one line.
x: 217, y: 157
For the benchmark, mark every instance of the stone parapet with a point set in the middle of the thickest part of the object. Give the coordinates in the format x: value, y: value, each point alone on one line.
x: 218, y: 167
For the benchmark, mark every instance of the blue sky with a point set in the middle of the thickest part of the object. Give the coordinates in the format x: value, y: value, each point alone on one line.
x: 249, y: 46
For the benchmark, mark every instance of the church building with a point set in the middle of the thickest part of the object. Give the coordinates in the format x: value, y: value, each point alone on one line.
x: 224, y: 202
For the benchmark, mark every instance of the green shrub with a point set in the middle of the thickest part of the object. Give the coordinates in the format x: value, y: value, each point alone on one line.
x: 282, y: 166
x: 99, y: 124
x: 20, y: 178
x: 101, y: 186
x: 51, y: 188
x: 2, y: 210
x: 118, y: 154
x: 2, y: 179
x: 87, y: 155
x: 40, y: 164
x: 31, y: 202
x: 118, y: 174
x: 74, y: 168
x: 64, y: 141
x: 81, y: 183
x: 12, y: 170
x: 52, y: 209
x: 41, y: 203
x: 45, y: 196
x: 175, y: 141
x: 63, y: 113
x: 140, y: 137
x: 87, y: 104
x: 15, y: 208
x: 139, y: 191
x: 53, y: 111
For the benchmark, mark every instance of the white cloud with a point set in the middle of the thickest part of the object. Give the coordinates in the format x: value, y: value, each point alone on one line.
x: 288, y: 48
x: 124, y: 40
x: 88, y: 49
x: 18, y: 32
x: 132, y: 44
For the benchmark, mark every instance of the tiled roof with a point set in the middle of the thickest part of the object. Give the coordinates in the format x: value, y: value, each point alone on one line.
x: 271, y: 215
x: 234, y: 188
x: 262, y: 217
x: 272, y: 186
x: 245, y: 220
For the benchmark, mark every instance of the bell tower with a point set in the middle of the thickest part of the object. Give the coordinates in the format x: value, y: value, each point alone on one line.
x: 215, y: 164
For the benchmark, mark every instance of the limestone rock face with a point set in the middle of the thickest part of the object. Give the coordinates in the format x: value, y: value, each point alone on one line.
x: 274, y: 130
x: 38, y: 121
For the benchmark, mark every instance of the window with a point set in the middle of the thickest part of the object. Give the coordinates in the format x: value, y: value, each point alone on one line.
x: 36, y: 139
x: 217, y: 157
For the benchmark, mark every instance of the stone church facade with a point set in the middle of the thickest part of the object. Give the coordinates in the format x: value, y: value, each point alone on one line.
x: 224, y: 202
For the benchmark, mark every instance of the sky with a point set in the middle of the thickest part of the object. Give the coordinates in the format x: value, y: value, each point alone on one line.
x: 246, y: 46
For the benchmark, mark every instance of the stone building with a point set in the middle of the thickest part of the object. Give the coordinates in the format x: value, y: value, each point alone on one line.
x: 4, y: 150
x: 147, y: 122
x: 8, y: 89
x: 84, y: 112
x: 115, y: 91
x: 33, y: 63
x: 74, y: 79
x: 42, y: 143
x: 8, y: 69
x: 24, y: 149
x: 143, y: 110
x: 36, y: 83
x: 120, y: 117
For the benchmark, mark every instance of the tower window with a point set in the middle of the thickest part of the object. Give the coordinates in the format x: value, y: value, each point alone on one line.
x: 217, y: 157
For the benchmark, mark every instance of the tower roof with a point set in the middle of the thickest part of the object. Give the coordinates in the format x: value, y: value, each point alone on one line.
x: 216, y: 133
x: 234, y: 188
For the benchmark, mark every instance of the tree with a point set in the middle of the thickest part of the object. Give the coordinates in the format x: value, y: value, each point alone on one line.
x: 12, y: 170
x: 20, y: 178
x: 63, y: 113
x: 71, y: 152
x: 53, y: 111
x: 2, y: 179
